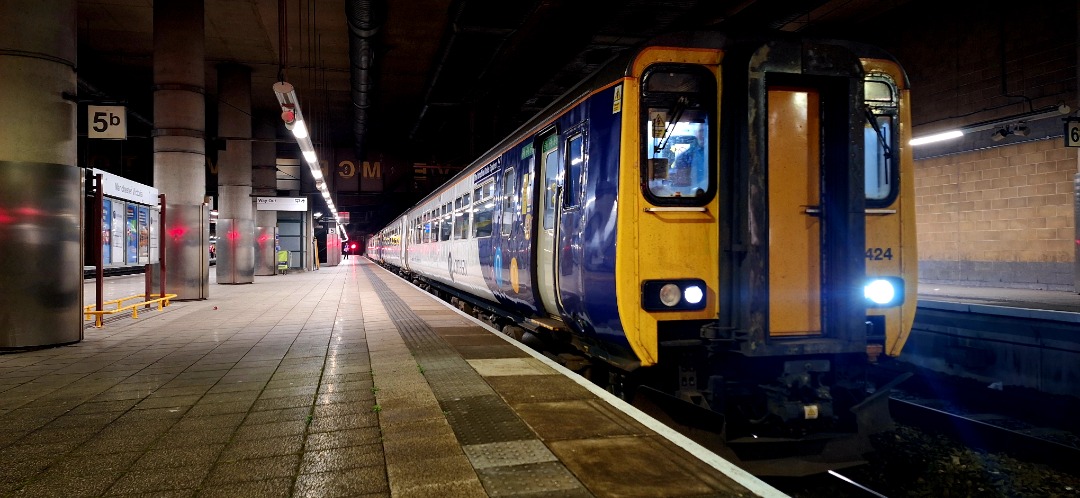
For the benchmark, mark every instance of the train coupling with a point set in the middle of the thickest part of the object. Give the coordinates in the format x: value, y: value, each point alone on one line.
x: 799, y: 394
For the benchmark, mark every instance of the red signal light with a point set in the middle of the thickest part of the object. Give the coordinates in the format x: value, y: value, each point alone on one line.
x: 177, y: 232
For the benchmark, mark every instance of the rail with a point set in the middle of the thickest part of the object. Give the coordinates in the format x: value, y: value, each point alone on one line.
x: 98, y: 315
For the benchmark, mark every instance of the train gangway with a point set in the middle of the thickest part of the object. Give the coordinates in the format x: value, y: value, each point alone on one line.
x: 341, y: 381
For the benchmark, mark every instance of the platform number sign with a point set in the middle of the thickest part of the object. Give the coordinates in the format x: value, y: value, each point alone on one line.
x: 106, y: 121
x: 1072, y: 132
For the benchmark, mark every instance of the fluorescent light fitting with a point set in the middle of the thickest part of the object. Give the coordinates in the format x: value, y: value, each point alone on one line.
x: 299, y: 129
x: 309, y: 155
x: 937, y: 137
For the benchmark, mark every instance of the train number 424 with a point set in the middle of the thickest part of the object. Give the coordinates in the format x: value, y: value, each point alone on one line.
x: 878, y: 253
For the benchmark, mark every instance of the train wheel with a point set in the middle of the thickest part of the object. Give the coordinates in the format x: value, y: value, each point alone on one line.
x: 514, y: 331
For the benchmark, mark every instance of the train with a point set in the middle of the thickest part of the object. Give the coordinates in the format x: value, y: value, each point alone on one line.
x: 726, y: 221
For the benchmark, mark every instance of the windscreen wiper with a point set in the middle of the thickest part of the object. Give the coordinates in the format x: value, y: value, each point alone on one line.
x: 676, y: 113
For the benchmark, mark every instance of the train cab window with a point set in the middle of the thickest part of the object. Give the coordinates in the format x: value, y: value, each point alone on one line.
x: 880, y: 139
x: 575, y: 166
x: 679, y: 135
x: 509, y: 200
x: 483, y: 207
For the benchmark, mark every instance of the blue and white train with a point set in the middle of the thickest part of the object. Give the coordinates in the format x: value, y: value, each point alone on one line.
x: 733, y: 218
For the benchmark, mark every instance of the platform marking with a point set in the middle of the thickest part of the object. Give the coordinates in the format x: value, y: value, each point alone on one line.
x: 499, y: 367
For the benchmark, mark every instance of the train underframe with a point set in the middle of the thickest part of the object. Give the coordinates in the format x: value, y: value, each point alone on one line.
x: 784, y: 415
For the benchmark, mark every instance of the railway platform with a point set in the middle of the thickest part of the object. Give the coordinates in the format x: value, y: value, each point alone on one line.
x: 1045, y: 300
x: 345, y: 381
x: 1003, y: 338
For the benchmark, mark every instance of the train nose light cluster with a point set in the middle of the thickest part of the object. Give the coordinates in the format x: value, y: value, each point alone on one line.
x: 884, y: 291
x: 673, y: 295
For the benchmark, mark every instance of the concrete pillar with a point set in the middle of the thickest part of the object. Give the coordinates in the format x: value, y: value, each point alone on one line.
x: 264, y: 184
x: 41, y: 202
x: 236, y: 224
x: 179, y: 143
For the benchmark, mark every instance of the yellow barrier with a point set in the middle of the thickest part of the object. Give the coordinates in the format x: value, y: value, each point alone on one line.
x: 90, y: 312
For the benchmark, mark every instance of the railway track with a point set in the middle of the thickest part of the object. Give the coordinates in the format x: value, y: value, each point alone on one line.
x: 977, y: 431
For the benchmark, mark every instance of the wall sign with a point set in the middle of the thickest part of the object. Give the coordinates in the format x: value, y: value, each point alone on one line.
x: 281, y: 203
x: 1072, y: 132
x: 106, y: 121
x: 122, y: 188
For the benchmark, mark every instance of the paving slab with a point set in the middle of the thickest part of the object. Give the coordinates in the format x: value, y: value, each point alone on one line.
x: 345, y: 381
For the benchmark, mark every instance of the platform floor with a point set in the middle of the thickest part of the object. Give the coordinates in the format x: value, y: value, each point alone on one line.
x: 345, y: 381
x: 1047, y: 300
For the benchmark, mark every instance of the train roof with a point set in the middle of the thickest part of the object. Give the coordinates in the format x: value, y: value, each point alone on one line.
x: 620, y: 65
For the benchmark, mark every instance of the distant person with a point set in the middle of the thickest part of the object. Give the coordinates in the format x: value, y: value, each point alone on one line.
x: 344, y: 251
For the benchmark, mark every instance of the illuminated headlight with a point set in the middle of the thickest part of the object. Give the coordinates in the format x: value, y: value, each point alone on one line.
x: 673, y: 295
x: 884, y: 291
x: 693, y: 294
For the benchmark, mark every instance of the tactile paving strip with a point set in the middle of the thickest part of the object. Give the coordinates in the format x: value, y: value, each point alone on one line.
x: 534, y: 479
x: 484, y: 419
x: 488, y: 455
x: 509, y: 459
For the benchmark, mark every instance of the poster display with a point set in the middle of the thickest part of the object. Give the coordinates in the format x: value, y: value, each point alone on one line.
x: 132, y: 235
x: 130, y: 221
x: 106, y: 231
x: 144, y: 234
x: 117, y: 237
x: 154, y: 237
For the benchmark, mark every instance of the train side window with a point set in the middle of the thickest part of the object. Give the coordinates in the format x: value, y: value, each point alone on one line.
x: 483, y: 207
x: 880, y: 140
x: 551, y: 187
x: 445, y: 226
x: 509, y: 199
x: 575, y: 165
x: 426, y: 236
x: 461, y: 219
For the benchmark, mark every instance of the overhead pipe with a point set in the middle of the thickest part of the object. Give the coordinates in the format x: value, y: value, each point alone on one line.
x: 365, y: 20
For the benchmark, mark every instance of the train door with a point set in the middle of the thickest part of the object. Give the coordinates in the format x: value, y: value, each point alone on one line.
x: 794, y: 202
x: 550, y: 185
x: 814, y: 203
x: 569, y: 278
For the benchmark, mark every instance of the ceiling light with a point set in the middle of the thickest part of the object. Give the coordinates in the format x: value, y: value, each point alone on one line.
x: 937, y: 137
x: 299, y: 129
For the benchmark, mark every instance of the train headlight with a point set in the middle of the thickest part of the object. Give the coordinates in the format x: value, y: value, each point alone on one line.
x: 693, y: 294
x: 882, y: 292
x: 673, y: 295
x: 670, y: 295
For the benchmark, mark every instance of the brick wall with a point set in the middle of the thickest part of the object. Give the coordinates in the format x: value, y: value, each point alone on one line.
x: 969, y: 63
x: 998, y: 216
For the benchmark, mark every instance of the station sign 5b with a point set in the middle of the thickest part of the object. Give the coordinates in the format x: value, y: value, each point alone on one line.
x: 106, y: 121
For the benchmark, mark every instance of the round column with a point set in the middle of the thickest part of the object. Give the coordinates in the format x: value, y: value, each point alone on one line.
x: 41, y: 202
x: 236, y: 225
x: 179, y: 143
